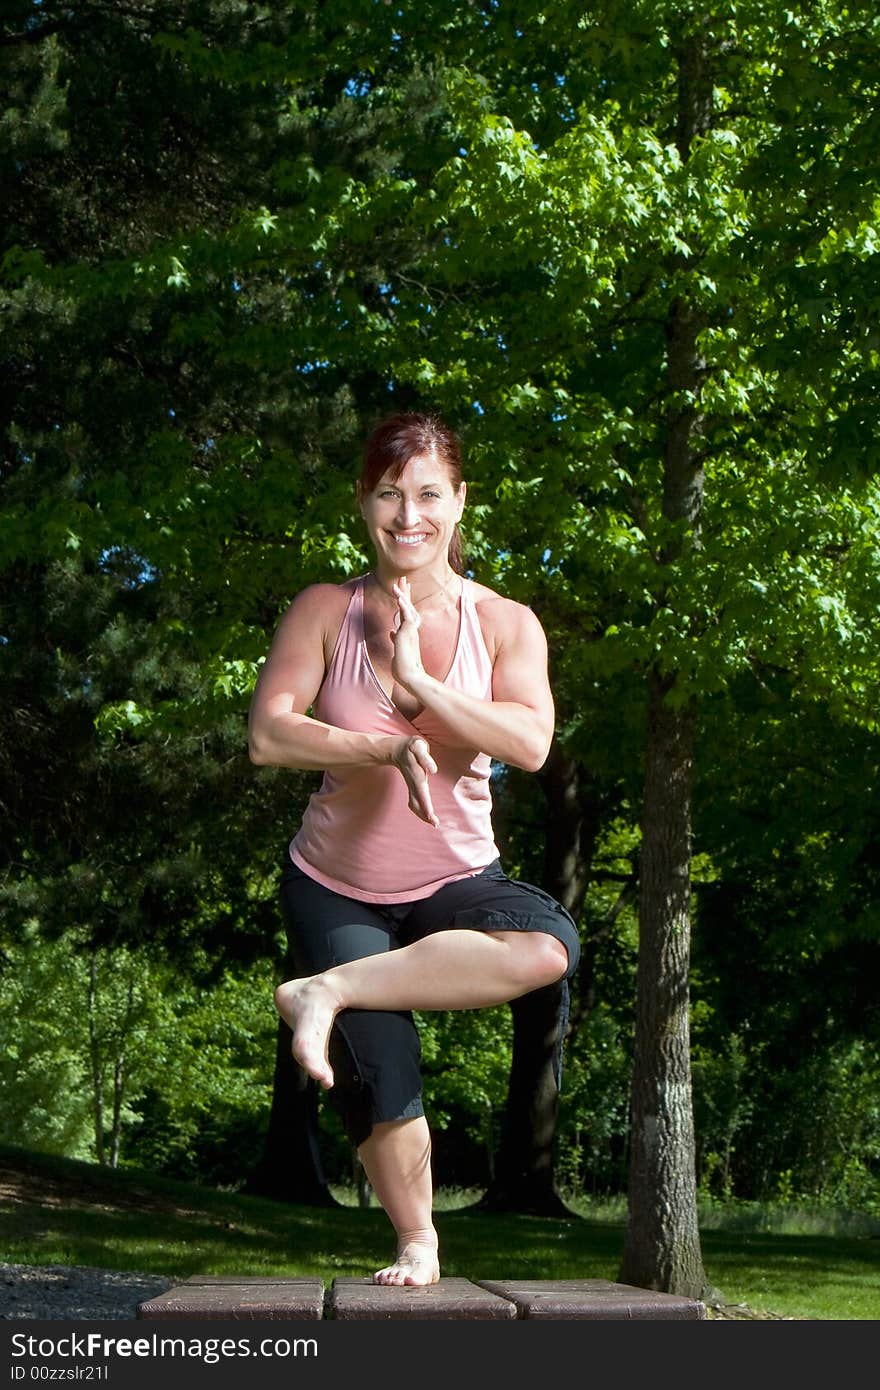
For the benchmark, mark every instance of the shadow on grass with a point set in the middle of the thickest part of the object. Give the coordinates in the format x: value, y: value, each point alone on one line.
x: 59, y: 1211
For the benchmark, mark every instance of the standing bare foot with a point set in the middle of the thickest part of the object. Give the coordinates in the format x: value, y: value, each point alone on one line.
x: 309, y: 1007
x: 416, y: 1264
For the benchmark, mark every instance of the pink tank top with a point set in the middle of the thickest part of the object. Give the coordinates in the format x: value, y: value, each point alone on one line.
x: 358, y: 835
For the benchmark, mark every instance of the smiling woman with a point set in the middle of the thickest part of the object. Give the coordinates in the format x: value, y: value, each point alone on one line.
x: 402, y: 686
x: 418, y: 455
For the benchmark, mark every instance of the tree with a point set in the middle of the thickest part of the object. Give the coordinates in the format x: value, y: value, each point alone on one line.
x: 629, y: 251
x: 786, y: 948
x: 174, y: 443
x: 115, y: 607
x: 555, y: 845
x: 648, y: 332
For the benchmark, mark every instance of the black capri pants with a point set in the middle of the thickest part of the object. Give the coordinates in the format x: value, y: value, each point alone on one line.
x: 376, y: 1055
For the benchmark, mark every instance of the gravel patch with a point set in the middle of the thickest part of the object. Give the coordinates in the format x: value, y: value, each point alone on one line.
x: 70, y: 1292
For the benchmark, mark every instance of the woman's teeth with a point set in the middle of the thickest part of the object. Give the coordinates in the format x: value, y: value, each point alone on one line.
x: 411, y: 540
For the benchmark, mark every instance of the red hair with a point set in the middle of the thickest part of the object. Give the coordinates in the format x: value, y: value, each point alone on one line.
x: 407, y: 435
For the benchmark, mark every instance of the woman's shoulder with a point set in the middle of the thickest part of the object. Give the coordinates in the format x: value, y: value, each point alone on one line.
x: 324, y: 597
x: 317, y: 609
x: 502, y: 619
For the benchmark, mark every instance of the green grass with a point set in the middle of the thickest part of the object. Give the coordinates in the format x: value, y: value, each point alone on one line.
x: 66, y: 1212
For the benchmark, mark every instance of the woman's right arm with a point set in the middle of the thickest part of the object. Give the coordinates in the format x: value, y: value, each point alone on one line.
x: 282, y: 734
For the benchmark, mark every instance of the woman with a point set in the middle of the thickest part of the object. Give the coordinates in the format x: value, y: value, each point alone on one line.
x: 394, y: 898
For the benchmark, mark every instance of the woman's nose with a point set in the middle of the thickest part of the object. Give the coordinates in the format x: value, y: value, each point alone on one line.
x: 408, y: 513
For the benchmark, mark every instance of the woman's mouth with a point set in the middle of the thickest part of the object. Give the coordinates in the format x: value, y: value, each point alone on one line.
x: 410, y: 538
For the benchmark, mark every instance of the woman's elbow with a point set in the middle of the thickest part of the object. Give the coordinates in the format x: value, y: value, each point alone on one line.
x: 258, y: 751
x: 533, y: 764
x: 534, y: 754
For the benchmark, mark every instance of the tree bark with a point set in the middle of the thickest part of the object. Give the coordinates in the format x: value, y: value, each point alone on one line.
x: 120, y: 1076
x: 95, y: 1060
x: 119, y: 1079
x: 662, y: 1245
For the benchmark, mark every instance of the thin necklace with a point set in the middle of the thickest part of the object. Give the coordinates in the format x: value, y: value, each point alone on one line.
x: 417, y: 603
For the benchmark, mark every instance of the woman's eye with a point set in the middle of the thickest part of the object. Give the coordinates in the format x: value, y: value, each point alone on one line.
x: 426, y: 496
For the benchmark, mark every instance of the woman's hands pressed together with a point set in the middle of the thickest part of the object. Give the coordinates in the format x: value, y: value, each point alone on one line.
x: 406, y: 664
x: 413, y: 758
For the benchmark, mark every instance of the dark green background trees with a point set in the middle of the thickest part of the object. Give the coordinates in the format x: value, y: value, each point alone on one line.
x: 630, y: 252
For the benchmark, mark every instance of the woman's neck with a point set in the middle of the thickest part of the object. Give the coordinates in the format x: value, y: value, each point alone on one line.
x: 424, y: 585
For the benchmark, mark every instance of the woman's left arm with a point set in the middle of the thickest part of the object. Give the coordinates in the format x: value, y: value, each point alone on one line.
x: 516, y: 725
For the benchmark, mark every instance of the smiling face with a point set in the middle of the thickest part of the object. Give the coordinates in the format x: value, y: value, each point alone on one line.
x: 411, y: 518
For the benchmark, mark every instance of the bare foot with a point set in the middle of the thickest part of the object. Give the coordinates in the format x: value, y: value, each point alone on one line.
x: 309, y: 1007
x: 416, y: 1264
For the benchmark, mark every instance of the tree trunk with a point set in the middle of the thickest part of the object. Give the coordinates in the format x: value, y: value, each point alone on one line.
x: 95, y: 1060
x: 523, y: 1173
x: 361, y: 1181
x: 291, y: 1169
x: 573, y: 816
x: 662, y: 1245
x: 119, y: 1077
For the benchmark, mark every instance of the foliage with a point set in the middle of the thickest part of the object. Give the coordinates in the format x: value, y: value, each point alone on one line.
x: 287, y: 219
x: 786, y: 949
x: 191, y: 1064
x: 44, y: 1080
x: 203, y: 1114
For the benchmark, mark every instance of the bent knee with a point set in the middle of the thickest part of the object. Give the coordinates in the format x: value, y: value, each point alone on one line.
x: 541, y: 959
x: 554, y: 958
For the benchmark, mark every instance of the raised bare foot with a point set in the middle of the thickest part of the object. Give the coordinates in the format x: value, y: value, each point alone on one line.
x: 416, y: 1264
x: 309, y: 1007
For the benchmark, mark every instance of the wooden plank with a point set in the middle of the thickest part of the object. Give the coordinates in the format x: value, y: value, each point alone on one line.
x: 242, y: 1279
x: 598, y: 1299
x: 213, y: 1296
x: 449, y: 1298
x: 302, y: 1299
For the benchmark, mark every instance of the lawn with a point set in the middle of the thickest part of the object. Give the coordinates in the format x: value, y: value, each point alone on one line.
x: 58, y: 1211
